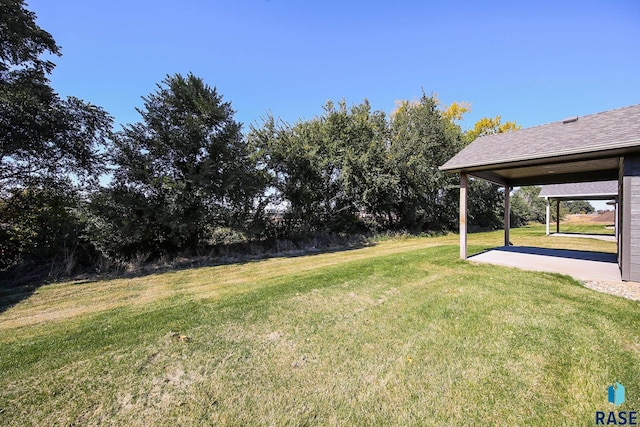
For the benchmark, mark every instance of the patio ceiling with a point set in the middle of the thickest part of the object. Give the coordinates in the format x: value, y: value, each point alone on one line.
x: 550, y: 171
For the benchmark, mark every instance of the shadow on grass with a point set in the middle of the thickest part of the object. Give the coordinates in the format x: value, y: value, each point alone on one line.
x: 17, y: 289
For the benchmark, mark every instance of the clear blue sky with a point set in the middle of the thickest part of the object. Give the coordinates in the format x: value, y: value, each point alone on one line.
x: 533, y: 62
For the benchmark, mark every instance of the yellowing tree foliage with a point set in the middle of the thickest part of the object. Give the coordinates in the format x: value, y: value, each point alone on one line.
x: 456, y: 110
x: 489, y: 126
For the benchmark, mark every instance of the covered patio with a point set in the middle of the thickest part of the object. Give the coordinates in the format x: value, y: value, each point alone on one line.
x: 593, y: 148
x: 603, y: 190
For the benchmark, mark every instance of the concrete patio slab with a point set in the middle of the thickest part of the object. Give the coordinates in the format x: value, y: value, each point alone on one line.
x: 578, y: 264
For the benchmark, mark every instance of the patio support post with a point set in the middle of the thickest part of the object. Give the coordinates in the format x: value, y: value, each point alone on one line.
x: 548, y: 214
x: 558, y: 216
x: 464, y: 185
x: 615, y: 220
x: 507, y: 214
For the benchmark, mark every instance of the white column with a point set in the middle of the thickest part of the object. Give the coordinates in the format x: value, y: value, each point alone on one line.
x: 507, y: 214
x: 548, y: 214
x: 615, y: 223
x: 464, y: 185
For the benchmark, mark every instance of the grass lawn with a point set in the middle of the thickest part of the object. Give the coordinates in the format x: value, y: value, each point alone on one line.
x: 399, y: 333
x: 583, y: 224
x: 584, y: 229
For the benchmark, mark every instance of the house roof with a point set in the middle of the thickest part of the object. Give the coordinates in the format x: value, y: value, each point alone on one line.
x: 603, y: 190
x: 574, y: 149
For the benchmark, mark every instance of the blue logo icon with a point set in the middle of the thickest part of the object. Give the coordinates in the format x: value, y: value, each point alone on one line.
x: 616, y: 394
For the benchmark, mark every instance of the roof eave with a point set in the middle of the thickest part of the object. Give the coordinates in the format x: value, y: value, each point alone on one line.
x: 599, y: 196
x: 589, y: 155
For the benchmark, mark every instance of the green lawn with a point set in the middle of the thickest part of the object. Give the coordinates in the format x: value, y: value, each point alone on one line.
x: 399, y: 333
x: 584, y: 228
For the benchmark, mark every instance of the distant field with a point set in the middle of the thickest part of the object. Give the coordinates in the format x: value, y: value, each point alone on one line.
x: 399, y: 333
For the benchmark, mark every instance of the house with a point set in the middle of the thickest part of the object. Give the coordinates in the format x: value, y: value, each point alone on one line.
x: 601, y: 190
x: 592, y: 148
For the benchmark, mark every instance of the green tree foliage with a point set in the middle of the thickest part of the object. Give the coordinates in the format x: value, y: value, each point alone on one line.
x: 329, y: 169
x: 486, y: 205
x: 579, y: 207
x: 22, y: 41
x: 46, y: 143
x: 352, y: 165
x: 369, y: 178
x: 527, y: 206
x: 422, y: 139
x: 41, y: 135
x: 44, y: 227
x: 181, y: 171
x: 536, y: 205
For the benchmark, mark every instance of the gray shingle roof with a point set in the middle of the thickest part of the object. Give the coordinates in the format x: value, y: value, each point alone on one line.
x: 583, y: 189
x: 610, y: 130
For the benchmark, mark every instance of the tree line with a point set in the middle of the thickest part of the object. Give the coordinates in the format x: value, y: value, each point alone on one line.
x: 186, y: 177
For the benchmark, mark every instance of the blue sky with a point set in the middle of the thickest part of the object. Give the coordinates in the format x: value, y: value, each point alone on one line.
x: 532, y: 62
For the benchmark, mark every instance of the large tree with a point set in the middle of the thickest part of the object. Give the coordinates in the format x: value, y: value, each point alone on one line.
x: 527, y: 206
x: 422, y: 139
x: 579, y: 207
x: 330, y: 169
x: 181, y: 171
x: 41, y: 135
x: 48, y: 145
x: 353, y: 165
